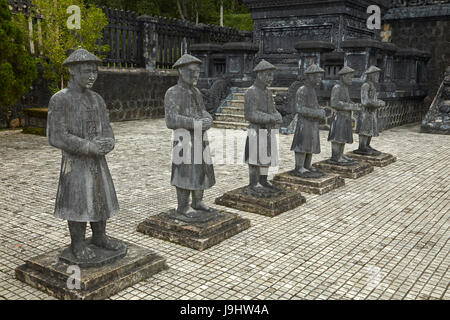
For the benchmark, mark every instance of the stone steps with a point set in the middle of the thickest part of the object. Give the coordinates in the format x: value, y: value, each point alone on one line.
x: 232, y: 110
x: 231, y: 118
x: 230, y: 125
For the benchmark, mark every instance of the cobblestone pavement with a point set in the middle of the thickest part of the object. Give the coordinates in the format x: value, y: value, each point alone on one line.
x: 383, y: 236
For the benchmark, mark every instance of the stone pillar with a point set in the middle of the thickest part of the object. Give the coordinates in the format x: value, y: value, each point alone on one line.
x: 311, y: 52
x: 204, y: 52
x: 387, y: 76
x: 240, y: 59
x: 360, y: 54
x: 148, y: 42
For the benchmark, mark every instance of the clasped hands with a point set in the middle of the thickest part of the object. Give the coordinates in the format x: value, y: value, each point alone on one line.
x: 101, y: 146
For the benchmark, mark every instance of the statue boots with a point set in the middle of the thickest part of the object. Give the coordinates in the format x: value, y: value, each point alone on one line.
x: 374, y: 152
x: 300, y: 158
x: 255, y: 179
x: 314, y: 173
x: 197, y: 201
x: 183, y: 203
x: 78, y: 244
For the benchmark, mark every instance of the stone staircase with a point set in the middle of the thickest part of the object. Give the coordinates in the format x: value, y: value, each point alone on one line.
x: 231, y: 114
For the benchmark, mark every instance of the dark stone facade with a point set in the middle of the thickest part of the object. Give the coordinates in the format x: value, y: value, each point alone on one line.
x: 425, y: 28
x: 134, y: 94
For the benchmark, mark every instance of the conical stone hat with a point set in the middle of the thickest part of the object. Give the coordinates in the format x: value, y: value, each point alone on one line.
x: 314, y: 68
x: 263, y: 66
x: 185, y: 60
x: 81, y: 55
x: 373, y: 69
x: 346, y: 70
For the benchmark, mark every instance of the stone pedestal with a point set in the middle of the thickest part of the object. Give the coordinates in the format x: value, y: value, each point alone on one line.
x: 199, y: 236
x: 320, y: 186
x: 353, y: 171
x: 382, y: 160
x: 270, y: 207
x: 50, y: 274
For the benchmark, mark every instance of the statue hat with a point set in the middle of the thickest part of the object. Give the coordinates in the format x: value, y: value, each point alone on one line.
x: 346, y: 70
x: 185, y: 60
x: 314, y: 68
x: 263, y: 66
x: 373, y: 69
x: 81, y: 55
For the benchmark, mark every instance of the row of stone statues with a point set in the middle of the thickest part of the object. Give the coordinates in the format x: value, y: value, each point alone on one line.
x: 78, y: 125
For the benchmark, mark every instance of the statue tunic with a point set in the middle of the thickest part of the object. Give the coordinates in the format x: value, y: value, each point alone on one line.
x: 367, y: 124
x: 261, y: 145
x: 307, y: 137
x: 86, y: 191
x: 184, y: 106
x: 341, y: 123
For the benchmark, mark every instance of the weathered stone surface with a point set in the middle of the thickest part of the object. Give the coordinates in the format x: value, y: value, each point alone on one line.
x: 320, y: 186
x: 383, y: 160
x: 49, y: 274
x: 353, y: 171
x: 271, y: 207
x: 199, y: 236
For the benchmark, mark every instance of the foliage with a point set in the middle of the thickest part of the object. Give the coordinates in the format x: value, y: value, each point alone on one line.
x: 58, y: 39
x: 241, y: 22
x: 17, y: 68
x: 207, y: 11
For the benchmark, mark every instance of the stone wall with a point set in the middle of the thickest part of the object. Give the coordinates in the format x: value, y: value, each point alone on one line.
x: 132, y: 94
x: 427, y: 28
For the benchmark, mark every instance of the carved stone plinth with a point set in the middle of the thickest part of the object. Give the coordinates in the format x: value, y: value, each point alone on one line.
x: 271, y: 207
x: 382, y: 160
x: 354, y: 171
x: 320, y: 186
x: 199, y: 236
x: 50, y: 274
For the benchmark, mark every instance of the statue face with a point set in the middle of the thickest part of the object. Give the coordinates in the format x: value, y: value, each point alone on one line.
x: 266, y: 77
x: 315, y: 79
x: 84, y: 74
x: 374, y: 77
x: 347, y: 78
x: 190, y: 74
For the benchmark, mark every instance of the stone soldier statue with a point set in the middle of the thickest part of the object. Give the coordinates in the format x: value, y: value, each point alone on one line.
x: 367, y: 126
x: 185, y: 109
x: 341, y: 124
x: 306, y: 138
x: 261, y: 148
x: 78, y: 124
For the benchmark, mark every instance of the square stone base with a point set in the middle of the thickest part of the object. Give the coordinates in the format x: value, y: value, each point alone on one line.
x: 199, y: 236
x: 382, y: 160
x: 49, y: 274
x: 353, y: 171
x: 320, y: 186
x: 270, y: 207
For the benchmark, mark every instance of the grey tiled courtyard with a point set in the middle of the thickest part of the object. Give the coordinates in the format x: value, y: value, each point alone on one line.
x: 383, y: 236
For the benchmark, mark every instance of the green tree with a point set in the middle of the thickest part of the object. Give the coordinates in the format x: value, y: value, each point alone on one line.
x: 58, y: 39
x: 17, y: 68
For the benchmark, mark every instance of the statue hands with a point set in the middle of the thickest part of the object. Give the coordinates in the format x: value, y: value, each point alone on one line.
x: 101, y: 146
x: 277, y: 118
x: 206, y: 123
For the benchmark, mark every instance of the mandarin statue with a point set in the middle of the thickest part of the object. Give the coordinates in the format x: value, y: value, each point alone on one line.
x: 78, y: 124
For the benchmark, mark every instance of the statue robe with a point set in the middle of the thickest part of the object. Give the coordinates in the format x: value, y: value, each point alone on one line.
x: 367, y: 121
x: 306, y: 136
x: 259, y: 105
x: 341, y: 123
x: 182, y: 107
x: 86, y: 191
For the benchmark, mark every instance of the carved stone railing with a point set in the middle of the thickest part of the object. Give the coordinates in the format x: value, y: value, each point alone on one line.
x: 414, y: 3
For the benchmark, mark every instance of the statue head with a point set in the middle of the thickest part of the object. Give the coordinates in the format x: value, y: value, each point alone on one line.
x: 83, y: 68
x: 346, y: 75
x: 314, y: 75
x: 373, y: 74
x: 188, y: 69
x: 265, y: 73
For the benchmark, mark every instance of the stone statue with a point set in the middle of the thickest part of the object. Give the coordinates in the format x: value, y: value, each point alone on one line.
x: 437, y: 119
x: 261, y: 148
x: 341, y: 123
x: 78, y: 124
x: 367, y: 126
x: 306, y: 138
x: 184, y: 110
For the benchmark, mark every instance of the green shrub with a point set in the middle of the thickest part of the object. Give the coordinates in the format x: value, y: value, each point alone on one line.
x: 243, y: 22
x: 17, y: 67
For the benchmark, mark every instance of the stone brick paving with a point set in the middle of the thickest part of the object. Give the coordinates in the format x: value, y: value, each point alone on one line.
x: 383, y: 236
